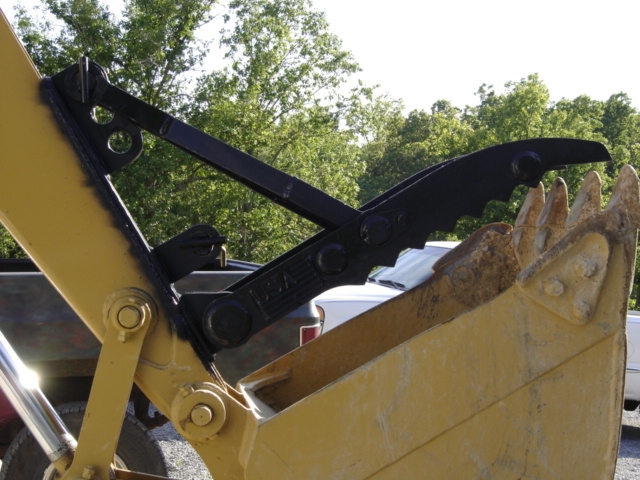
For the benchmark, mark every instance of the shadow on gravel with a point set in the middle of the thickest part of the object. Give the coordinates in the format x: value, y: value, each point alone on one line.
x: 630, y: 442
x: 631, y: 432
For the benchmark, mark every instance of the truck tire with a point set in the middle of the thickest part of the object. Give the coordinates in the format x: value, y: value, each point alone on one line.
x: 137, y: 449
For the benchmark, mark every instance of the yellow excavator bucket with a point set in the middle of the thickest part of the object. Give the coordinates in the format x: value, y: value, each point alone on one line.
x: 507, y: 363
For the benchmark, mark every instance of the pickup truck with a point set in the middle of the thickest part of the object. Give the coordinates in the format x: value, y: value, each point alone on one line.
x: 632, y: 380
x: 54, y: 343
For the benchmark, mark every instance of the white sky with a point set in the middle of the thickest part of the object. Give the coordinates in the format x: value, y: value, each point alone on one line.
x: 425, y: 50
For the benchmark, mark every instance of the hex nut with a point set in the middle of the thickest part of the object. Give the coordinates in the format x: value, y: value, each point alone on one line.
x: 88, y: 473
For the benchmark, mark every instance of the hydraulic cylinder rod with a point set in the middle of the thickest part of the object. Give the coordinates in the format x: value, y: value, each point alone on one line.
x: 21, y: 389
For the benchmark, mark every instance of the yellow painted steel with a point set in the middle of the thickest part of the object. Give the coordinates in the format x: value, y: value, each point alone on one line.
x: 130, y: 314
x: 493, y: 368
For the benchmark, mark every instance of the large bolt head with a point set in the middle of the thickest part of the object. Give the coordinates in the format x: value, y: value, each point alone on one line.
x: 526, y: 166
x: 129, y: 317
x: 227, y: 322
x: 332, y: 259
x: 201, y: 415
x: 198, y: 411
x: 376, y: 230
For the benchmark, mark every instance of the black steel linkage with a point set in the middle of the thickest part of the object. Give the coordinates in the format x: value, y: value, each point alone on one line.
x: 353, y: 240
x: 402, y: 218
x: 286, y: 190
x: 188, y: 251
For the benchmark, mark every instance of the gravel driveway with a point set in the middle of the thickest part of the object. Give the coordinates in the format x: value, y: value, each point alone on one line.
x: 184, y: 463
x: 629, y: 456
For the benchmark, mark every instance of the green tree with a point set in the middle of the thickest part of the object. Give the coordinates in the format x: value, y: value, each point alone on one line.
x: 410, y: 145
x: 8, y: 246
x: 148, y: 50
x: 580, y: 118
x: 517, y: 114
x: 279, y: 100
x: 618, y: 118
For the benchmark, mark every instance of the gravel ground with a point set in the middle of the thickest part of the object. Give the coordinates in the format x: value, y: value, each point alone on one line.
x: 184, y: 463
x: 182, y: 460
x: 628, y: 467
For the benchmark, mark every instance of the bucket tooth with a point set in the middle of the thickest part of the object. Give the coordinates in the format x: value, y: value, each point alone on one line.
x: 553, y: 218
x: 524, y: 230
x: 480, y: 268
x: 626, y: 193
x: 588, y: 200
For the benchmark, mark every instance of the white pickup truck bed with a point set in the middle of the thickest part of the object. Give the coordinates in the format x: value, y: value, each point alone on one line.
x: 632, y: 386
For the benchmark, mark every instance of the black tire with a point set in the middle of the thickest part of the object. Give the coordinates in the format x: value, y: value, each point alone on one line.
x: 137, y: 449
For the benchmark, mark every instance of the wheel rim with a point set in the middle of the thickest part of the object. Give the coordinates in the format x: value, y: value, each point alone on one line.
x: 50, y: 472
